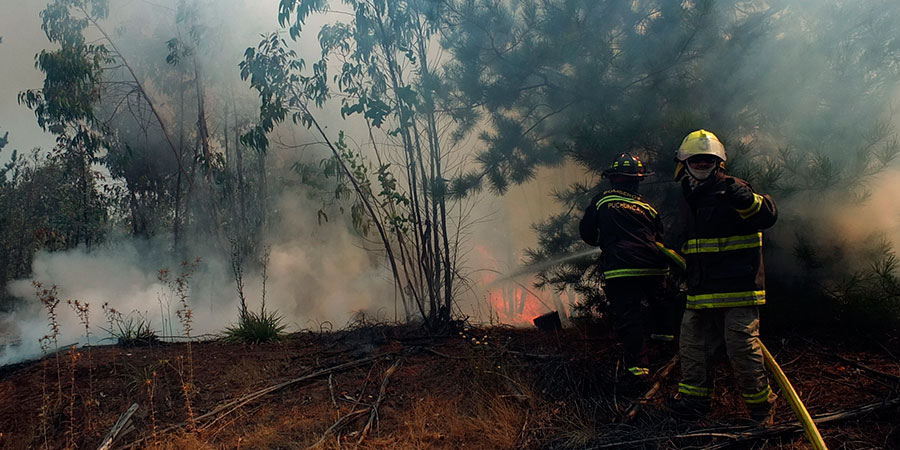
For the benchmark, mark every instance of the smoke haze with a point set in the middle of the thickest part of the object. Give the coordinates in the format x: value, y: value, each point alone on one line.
x: 323, y: 273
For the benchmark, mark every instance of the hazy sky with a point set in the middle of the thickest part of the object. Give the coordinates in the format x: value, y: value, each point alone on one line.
x: 22, y: 39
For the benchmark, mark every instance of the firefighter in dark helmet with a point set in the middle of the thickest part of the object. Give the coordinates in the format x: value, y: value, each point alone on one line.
x: 633, y: 261
x: 725, y: 278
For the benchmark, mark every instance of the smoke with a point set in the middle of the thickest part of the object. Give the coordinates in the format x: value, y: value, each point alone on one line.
x: 322, y: 272
x: 318, y: 274
x: 317, y: 277
x: 122, y: 274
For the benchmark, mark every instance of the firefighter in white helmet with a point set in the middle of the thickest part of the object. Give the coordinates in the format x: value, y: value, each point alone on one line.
x: 725, y: 278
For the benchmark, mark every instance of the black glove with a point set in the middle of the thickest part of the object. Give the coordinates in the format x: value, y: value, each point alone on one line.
x: 738, y: 195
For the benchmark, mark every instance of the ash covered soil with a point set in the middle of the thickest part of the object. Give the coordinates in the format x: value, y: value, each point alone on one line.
x: 381, y: 386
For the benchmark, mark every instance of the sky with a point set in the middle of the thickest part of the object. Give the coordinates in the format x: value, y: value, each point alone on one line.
x: 22, y: 39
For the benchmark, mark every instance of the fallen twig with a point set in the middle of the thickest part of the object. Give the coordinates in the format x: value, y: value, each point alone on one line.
x: 373, y: 411
x: 660, y: 375
x: 746, y: 433
x: 117, y: 428
x: 233, y: 405
x: 532, y: 355
x: 331, y: 390
x: 856, y: 364
x: 336, y: 425
x: 444, y: 355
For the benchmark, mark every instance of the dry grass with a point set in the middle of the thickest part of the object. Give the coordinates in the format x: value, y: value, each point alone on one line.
x: 181, y: 441
x: 523, y: 391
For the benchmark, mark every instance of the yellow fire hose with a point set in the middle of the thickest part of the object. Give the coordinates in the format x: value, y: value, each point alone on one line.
x: 809, y: 427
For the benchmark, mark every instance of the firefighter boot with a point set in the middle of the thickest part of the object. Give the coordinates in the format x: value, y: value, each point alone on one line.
x: 636, y: 382
x: 763, y: 414
x: 688, y: 407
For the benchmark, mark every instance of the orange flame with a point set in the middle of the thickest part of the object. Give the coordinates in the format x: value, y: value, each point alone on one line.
x: 509, y: 302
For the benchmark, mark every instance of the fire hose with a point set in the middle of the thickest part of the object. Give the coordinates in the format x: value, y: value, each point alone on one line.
x: 809, y: 427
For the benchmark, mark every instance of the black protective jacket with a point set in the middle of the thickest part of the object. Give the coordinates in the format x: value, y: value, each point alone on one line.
x: 627, y: 229
x: 723, y: 242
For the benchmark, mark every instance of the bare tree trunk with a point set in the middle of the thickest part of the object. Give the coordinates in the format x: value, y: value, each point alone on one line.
x: 176, y: 224
x: 440, y: 219
x: 262, y: 199
x: 203, y: 131
x: 239, y: 163
x: 424, y: 255
x: 392, y: 210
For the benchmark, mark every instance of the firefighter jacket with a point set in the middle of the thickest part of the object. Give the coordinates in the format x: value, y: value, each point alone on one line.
x: 627, y: 229
x: 723, y: 245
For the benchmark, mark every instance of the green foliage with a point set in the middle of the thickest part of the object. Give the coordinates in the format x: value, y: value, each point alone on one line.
x: 48, y: 208
x: 801, y: 109
x: 256, y: 328
x: 73, y: 72
x: 384, y: 78
x: 130, y: 330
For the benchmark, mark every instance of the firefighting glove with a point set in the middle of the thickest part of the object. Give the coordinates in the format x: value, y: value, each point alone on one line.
x: 739, y: 196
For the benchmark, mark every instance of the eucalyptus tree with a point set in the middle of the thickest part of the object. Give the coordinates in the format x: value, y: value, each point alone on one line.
x: 64, y: 106
x: 77, y: 80
x: 118, y: 99
x: 386, y: 79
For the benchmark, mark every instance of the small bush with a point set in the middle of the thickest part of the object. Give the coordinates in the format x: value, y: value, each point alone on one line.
x: 255, y: 328
x: 133, y: 330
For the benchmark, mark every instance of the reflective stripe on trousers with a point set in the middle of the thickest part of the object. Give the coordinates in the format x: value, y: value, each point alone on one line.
x: 704, y: 332
x: 726, y: 300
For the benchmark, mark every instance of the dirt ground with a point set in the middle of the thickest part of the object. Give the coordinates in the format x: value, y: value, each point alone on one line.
x: 387, y: 387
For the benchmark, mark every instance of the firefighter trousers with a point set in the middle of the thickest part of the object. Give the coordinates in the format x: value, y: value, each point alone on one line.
x: 629, y: 299
x: 703, y: 332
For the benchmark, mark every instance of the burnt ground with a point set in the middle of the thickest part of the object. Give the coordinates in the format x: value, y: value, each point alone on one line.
x: 379, y: 386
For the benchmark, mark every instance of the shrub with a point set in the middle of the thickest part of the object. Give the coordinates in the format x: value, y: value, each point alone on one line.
x: 255, y: 328
x: 132, y: 330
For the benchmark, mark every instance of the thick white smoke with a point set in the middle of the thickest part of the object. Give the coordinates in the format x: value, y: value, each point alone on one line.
x: 316, y: 274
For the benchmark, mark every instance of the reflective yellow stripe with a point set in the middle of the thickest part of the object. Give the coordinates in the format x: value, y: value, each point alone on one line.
x: 639, y: 370
x: 722, y: 244
x: 673, y: 255
x: 619, y: 198
x: 619, y: 273
x: 753, y: 208
x: 759, y: 397
x: 696, y: 391
x: 726, y: 300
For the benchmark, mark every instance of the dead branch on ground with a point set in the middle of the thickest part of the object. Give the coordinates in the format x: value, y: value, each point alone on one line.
x: 372, y: 410
x: 235, y: 404
x: 660, y: 375
x: 118, y: 427
x: 742, y: 434
x: 853, y: 363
